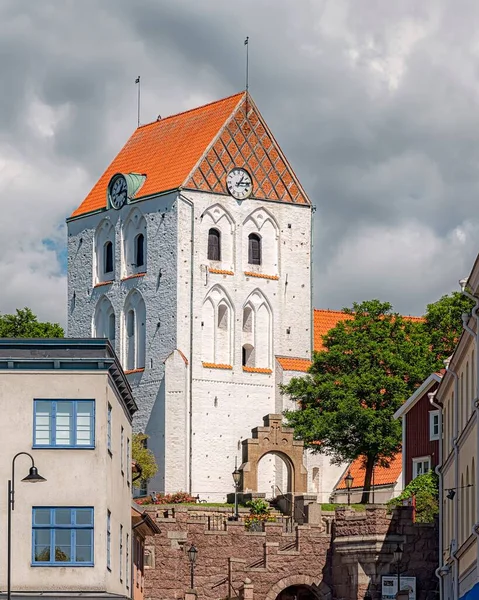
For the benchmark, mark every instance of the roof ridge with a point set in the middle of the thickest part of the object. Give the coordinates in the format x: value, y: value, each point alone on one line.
x: 189, y: 110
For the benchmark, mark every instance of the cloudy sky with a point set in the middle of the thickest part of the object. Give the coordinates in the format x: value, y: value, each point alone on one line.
x: 376, y: 105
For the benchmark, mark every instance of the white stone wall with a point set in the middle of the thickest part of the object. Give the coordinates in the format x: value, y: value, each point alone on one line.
x: 225, y: 403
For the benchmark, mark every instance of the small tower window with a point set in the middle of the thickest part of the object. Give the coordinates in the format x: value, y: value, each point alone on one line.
x: 254, y: 249
x: 248, y: 355
x: 111, y: 327
x: 140, y: 250
x: 108, y: 257
x: 214, y: 244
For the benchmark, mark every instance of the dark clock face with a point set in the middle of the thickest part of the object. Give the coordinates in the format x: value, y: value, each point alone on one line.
x: 118, y: 190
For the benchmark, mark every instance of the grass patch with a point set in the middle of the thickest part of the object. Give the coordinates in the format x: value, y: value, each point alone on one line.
x: 332, y: 507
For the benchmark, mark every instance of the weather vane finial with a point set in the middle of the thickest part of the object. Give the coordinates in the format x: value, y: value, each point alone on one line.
x: 137, y: 81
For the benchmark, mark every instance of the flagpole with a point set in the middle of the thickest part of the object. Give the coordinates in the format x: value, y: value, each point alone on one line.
x: 137, y: 81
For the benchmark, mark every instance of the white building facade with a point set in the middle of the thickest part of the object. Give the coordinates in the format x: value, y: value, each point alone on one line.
x: 67, y: 404
x: 199, y: 272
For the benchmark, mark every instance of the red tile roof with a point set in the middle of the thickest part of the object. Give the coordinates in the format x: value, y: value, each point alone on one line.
x: 324, y: 320
x: 196, y: 149
x: 382, y: 475
x: 294, y: 364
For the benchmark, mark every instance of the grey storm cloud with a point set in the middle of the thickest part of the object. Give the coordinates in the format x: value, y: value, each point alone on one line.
x: 374, y: 103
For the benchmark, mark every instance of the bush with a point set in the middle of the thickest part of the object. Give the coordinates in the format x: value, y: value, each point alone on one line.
x: 425, y: 488
x: 259, y: 512
x: 176, y: 498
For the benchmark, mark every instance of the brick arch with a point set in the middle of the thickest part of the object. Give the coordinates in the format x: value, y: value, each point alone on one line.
x: 317, y: 586
x: 273, y: 438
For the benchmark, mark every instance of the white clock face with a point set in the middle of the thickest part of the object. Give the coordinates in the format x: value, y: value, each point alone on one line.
x: 118, y: 190
x: 239, y: 183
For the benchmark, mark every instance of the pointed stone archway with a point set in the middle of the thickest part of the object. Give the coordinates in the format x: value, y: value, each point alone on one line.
x: 273, y: 438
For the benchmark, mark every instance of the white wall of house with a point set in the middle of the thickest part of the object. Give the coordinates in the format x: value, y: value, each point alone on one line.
x: 75, y: 478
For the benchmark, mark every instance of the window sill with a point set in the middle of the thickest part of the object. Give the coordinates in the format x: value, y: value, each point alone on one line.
x: 221, y: 272
x: 102, y: 283
x: 208, y: 365
x: 131, y: 371
x: 261, y: 275
x: 134, y: 276
x: 39, y: 447
x: 63, y: 564
x: 257, y: 370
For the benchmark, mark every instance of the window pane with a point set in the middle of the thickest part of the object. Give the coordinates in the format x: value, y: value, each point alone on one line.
x: 84, y: 423
x: 84, y: 516
x: 41, y: 516
x: 84, y: 545
x: 63, y: 516
x: 63, y: 552
x: 43, y: 422
x: 64, y: 418
x: 41, y: 542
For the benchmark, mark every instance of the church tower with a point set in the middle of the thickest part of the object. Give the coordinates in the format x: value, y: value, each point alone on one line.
x: 192, y: 254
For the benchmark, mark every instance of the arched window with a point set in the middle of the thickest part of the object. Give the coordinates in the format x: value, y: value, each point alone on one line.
x: 214, y: 244
x: 248, y: 319
x: 140, y: 250
x: 134, y: 332
x: 254, y: 249
x: 217, y: 319
x: 108, y: 257
x: 104, y: 322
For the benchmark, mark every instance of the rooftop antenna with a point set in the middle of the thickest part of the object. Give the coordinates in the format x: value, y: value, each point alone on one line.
x: 246, y: 43
x: 137, y: 82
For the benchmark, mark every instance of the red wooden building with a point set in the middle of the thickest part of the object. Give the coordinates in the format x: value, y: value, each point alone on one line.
x: 420, y: 431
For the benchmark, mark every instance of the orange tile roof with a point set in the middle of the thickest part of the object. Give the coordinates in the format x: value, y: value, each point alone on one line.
x: 324, y: 320
x: 251, y: 274
x: 221, y: 271
x: 382, y: 475
x: 166, y: 151
x: 257, y: 370
x: 294, y: 364
x: 208, y: 365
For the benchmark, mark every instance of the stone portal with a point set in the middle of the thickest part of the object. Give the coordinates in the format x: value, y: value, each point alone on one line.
x: 273, y: 438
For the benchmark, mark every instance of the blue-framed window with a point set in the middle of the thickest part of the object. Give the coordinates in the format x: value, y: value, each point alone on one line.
x: 128, y: 460
x: 108, y: 430
x: 108, y: 540
x: 62, y: 536
x: 64, y: 424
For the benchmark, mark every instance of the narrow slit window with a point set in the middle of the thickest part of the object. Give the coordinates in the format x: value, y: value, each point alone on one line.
x: 214, y: 245
x: 254, y: 249
x: 140, y: 250
x: 108, y: 257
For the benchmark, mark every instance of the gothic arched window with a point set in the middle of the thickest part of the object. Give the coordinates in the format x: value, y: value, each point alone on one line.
x: 254, y: 249
x: 108, y: 257
x: 140, y: 250
x: 135, y: 334
x: 214, y: 244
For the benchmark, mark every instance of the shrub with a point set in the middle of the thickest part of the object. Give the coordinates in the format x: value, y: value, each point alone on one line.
x: 176, y: 498
x: 425, y: 489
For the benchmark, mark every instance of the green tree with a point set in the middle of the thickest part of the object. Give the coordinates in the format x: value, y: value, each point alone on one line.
x: 425, y: 489
x: 24, y: 324
x: 370, y: 365
x: 144, y: 458
x: 443, y: 322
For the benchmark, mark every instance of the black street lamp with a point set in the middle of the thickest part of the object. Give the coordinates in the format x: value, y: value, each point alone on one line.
x: 348, y: 480
x: 236, y: 478
x: 397, y: 559
x: 192, y: 552
x: 32, y: 477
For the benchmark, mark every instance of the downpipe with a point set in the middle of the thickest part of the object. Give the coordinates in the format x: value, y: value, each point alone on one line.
x: 455, y: 500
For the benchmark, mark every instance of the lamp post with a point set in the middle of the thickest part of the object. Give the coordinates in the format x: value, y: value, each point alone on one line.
x: 236, y: 478
x: 348, y: 480
x: 397, y: 559
x: 192, y: 552
x: 32, y: 477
